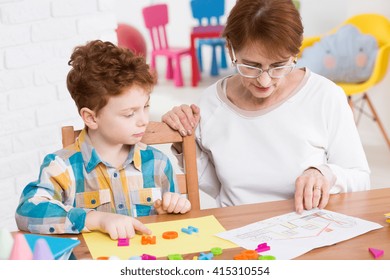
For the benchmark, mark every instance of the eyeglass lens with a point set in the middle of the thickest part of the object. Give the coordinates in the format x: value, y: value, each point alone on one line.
x: 255, y: 72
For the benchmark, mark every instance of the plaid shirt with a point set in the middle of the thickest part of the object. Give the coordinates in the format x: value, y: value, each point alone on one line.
x: 74, y: 181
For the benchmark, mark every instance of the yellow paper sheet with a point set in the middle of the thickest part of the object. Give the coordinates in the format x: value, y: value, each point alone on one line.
x: 100, y: 244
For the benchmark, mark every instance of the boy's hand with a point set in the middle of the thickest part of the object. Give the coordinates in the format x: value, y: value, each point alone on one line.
x: 172, y: 203
x: 115, y: 225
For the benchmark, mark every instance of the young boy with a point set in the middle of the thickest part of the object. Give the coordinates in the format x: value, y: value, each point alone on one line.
x: 107, y: 177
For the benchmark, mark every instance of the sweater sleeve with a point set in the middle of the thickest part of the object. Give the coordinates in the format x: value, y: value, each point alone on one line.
x: 347, y: 167
x: 207, y: 178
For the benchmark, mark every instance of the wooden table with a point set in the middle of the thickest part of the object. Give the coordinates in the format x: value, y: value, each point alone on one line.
x: 198, y: 32
x: 369, y: 205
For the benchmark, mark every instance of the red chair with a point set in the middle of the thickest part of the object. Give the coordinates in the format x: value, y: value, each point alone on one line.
x: 131, y: 38
x: 156, y: 19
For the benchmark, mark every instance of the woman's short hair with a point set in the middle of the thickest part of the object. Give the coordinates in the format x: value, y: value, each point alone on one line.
x: 274, y: 24
x: 102, y: 69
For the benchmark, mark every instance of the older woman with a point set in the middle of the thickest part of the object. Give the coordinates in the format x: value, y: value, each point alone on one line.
x: 272, y: 131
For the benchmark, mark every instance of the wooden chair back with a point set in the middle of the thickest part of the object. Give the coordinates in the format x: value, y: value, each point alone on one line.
x: 161, y: 133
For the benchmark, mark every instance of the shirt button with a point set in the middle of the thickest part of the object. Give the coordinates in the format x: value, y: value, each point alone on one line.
x: 115, y: 174
x: 148, y: 199
x: 93, y: 201
x: 120, y: 205
x: 74, y: 228
x: 51, y: 229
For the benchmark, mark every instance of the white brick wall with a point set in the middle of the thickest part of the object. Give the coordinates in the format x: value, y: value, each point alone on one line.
x: 36, y: 40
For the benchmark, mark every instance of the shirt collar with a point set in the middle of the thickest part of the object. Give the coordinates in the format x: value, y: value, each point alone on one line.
x: 91, y: 158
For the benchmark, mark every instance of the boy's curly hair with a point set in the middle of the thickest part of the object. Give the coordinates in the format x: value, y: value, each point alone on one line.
x: 102, y: 69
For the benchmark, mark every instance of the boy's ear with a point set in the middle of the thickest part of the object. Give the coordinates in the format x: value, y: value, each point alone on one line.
x: 89, y: 118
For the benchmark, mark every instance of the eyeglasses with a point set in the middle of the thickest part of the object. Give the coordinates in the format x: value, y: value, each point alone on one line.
x: 248, y: 71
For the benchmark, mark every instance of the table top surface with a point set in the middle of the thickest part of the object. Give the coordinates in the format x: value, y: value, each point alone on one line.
x: 369, y: 205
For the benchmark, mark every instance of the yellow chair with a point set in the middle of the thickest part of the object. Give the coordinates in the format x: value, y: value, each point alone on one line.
x: 379, y: 27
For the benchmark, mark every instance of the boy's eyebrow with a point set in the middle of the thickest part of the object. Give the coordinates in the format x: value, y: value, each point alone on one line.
x: 133, y: 108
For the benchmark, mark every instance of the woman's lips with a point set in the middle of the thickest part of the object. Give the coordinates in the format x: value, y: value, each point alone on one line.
x: 262, y: 89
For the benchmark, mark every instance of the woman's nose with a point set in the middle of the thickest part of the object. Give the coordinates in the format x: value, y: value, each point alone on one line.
x: 264, y: 79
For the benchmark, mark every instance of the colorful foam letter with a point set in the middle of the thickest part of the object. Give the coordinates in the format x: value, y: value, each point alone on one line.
x: 145, y: 240
x: 190, y: 230
x: 262, y: 247
x: 170, y: 235
x: 123, y: 242
x: 376, y: 252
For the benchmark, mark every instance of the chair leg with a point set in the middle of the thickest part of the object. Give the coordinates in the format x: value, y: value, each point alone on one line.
x: 223, y: 57
x: 169, y: 75
x: 177, y: 75
x: 214, y: 64
x: 376, y: 118
x: 199, y: 55
x: 352, y: 105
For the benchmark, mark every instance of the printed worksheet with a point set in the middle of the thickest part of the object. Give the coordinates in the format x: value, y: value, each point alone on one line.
x: 292, y: 234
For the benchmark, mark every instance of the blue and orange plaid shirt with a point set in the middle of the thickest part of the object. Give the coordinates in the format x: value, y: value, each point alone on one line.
x: 74, y: 181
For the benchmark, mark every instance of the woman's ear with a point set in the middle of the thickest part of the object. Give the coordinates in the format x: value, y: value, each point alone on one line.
x: 228, y: 46
x: 89, y: 118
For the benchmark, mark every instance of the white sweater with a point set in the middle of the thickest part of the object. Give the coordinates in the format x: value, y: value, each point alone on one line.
x: 256, y: 156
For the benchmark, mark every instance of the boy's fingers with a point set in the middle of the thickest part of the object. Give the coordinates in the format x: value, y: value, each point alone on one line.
x: 130, y: 232
x: 141, y: 227
x: 180, y: 205
x: 158, y: 207
x: 172, y: 202
x: 113, y: 234
x: 187, y: 207
x: 122, y: 231
x: 166, y: 201
x: 157, y: 203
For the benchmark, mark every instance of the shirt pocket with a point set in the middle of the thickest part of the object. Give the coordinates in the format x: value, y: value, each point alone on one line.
x: 145, y: 196
x: 93, y: 200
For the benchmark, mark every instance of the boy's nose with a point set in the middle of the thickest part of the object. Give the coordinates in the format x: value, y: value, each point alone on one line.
x: 143, y: 119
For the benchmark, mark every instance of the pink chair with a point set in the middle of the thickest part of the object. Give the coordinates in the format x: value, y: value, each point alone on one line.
x: 156, y: 18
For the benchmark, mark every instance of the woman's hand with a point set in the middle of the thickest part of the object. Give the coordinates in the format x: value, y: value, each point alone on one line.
x: 183, y: 118
x: 311, y: 190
